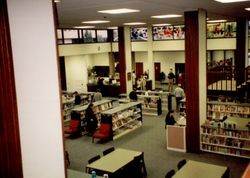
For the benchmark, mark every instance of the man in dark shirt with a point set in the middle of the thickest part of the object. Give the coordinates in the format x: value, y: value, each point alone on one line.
x: 171, y: 77
x: 169, y: 120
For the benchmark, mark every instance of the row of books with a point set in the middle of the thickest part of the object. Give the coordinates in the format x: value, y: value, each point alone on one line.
x: 102, y: 107
x: 229, y: 108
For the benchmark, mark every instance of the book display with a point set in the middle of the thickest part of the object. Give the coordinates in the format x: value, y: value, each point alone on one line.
x: 151, y: 105
x: 68, y: 105
x: 124, y: 118
x: 227, y: 129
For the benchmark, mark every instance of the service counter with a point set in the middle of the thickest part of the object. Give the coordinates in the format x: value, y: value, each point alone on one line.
x: 176, y: 136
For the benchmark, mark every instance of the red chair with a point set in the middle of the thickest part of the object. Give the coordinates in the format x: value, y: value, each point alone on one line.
x: 74, y: 128
x: 104, y: 132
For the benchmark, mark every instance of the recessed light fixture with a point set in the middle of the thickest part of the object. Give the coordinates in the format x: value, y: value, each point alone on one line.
x: 230, y: 1
x: 84, y: 27
x: 134, y: 23
x: 56, y: 1
x: 247, y: 8
x: 119, y: 11
x: 96, y: 21
x: 161, y: 24
x: 216, y: 21
x: 166, y: 16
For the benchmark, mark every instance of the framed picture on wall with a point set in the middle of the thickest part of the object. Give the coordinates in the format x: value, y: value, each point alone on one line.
x: 163, y: 33
x: 179, y: 32
x: 230, y: 29
x: 70, y: 36
x: 139, y: 34
x: 215, y: 30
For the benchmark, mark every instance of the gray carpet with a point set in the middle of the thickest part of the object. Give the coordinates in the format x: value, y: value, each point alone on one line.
x: 151, y: 139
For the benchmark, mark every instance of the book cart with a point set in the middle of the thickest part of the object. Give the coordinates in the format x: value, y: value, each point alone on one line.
x: 124, y: 118
x: 227, y: 130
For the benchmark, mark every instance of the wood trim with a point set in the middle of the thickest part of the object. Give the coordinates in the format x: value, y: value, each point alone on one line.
x: 10, y: 149
x: 122, y: 60
x: 192, y: 80
x: 240, y: 52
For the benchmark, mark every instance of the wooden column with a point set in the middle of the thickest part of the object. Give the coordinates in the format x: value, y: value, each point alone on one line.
x: 241, y: 50
x: 122, y: 60
x: 10, y: 157
x: 195, y: 63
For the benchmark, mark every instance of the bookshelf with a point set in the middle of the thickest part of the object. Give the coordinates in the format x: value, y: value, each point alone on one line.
x: 151, y: 105
x: 217, y: 110
x: 124, y: 118
x: 162, y: 94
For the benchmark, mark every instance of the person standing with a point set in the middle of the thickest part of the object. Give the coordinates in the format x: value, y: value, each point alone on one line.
x: 97, y: 95
x: 170, y: 80
x: 179, y: 95
x: 91, y: 119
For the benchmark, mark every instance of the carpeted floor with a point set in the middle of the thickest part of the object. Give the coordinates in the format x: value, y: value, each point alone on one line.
x: 150, y: 138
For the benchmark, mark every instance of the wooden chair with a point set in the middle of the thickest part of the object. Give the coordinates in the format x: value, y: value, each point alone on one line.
x: 170, y: 173
x: 104, y: 132
x: 181, y: 163
x: 107, y: 151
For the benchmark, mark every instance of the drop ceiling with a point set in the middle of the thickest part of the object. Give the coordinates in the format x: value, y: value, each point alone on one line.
x: 72, y: 12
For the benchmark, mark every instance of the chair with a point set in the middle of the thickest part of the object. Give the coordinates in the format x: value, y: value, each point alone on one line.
x: 104, y: 132
x: 74, y: 128
x: 107, y: 151
x: 137, y: 168
x: 170, y: 173
x: 91, y: 160
x: 181, y: 163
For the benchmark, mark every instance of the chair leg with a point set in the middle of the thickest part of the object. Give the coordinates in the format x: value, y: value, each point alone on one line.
x: 92, y: 139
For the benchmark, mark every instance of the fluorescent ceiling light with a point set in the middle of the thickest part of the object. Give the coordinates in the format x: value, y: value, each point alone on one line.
x: 247, y: 9
x: 216, y: 21
x: 135, y: 23
x: 96, y: 21
x: 162, y: 24
x: 118, y: 11
x: 112, y: 28
x: 56, y: 1
x: 166, y: 16
x: 84, y: 27
x: 230, y: 1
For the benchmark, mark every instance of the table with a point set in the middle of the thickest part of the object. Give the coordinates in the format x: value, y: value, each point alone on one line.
x: 77, y: 174
x: 200, y: 170
x: 115, y: 160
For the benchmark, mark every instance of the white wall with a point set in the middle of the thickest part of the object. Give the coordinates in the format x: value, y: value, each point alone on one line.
x: 37, y: 88
x: 101, y: 59
x: 76, y: 72
x: 168, y: 59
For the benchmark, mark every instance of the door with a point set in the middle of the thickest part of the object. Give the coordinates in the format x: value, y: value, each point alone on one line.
x: 138, y: 69
x: 180, y: 68
x: 157, y: 66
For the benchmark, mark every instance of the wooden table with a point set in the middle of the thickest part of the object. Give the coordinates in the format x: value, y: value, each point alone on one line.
x: 197, y: 169
x: 113, y: 161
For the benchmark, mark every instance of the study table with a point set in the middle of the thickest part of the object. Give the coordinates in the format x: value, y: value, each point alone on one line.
x: 200, y: 170
x: 77, y: 174
x: 114, y: 161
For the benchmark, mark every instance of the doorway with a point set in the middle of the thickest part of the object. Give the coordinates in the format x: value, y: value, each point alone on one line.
x: 157, y: 66
x: 138, y: 69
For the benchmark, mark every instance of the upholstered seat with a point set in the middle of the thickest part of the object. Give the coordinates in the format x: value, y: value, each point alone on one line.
x: 74, y: 128
x: 104, y: 132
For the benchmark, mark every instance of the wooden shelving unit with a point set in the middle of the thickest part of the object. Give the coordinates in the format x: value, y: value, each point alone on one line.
x: 229, y: 137
x: 151, y: 105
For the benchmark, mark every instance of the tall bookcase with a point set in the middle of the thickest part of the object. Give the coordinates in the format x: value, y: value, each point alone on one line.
x: 124, y: 118
x: 227, y: 130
